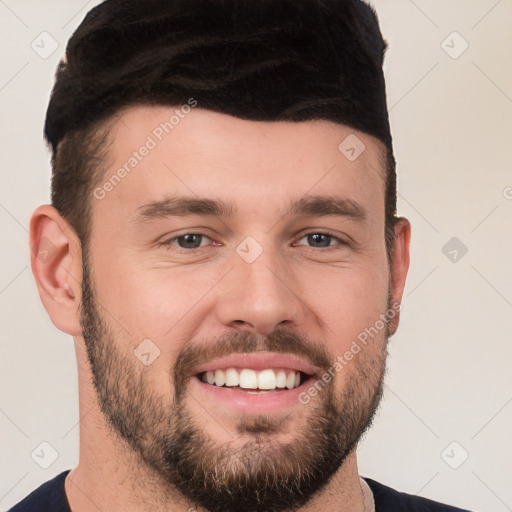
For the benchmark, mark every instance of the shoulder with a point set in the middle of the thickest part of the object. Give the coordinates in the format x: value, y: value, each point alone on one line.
x: 388, y: 499
x: 48, y: 497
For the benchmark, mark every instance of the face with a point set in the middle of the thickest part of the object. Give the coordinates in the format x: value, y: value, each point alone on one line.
x: 232, y: 271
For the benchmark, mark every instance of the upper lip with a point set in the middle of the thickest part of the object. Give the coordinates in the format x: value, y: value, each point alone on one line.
x: 257, y: 361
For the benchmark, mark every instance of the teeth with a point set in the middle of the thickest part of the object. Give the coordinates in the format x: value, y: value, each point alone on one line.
x: 220, y: 378
x: 281, y: 379
x: 290, y: 380
x: 246, y: 378
x: 232, y: 377
x: 267, y: 379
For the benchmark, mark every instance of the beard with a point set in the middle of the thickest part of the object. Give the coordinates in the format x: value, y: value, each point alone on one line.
x: 252, y: 471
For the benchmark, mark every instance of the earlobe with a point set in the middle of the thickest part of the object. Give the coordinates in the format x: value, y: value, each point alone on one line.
x: 399, y: 266
x: 56, y: 262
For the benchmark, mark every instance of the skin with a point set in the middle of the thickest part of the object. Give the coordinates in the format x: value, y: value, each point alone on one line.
x: 177, y: 299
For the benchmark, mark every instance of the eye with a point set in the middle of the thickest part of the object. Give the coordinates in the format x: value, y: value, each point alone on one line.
x: 321, y: 239
x: 187, y: 241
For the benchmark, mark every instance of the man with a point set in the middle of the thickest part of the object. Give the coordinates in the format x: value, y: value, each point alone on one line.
x: 225, y: 252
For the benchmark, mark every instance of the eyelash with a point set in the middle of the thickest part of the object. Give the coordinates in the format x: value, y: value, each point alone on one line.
x: 168, y: 243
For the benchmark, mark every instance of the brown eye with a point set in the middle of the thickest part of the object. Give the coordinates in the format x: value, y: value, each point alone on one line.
x: 191, y: 241
x: 187, y: 241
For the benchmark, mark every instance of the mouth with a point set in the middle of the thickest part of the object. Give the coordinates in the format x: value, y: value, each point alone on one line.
x: 253, y: 383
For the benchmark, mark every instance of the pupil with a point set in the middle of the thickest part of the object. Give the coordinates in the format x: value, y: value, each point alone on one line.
x: 189, y: 240
x: 317, y: 238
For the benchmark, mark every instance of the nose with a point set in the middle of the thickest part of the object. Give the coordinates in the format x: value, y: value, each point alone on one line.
x: 260, y: 296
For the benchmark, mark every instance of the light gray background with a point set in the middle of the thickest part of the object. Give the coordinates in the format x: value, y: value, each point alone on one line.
x: 449, y: 370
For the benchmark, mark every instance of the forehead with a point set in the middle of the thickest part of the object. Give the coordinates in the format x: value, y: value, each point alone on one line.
x: 157, y: 151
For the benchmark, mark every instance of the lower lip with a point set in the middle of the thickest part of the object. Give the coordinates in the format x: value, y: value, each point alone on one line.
x: 250, y: 403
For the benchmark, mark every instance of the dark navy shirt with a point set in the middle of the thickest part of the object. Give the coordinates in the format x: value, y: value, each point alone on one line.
x: 51, y: 497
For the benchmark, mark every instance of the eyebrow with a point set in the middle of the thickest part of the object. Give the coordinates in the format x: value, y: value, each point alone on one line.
x: 181, y: 206
x: 328, y: 206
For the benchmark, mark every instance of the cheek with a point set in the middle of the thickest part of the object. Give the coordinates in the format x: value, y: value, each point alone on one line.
x: 162, y: 305
x: 347, y: 302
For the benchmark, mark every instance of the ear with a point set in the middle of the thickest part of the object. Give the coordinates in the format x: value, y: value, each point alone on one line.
x: 399, y: 267
x: 56, y: 260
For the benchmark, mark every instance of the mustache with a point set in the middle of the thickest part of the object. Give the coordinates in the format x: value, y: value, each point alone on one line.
x: 245, y: 342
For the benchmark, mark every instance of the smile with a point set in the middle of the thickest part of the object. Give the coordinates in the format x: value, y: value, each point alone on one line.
x: 269, y: 379
x: 254, y: 383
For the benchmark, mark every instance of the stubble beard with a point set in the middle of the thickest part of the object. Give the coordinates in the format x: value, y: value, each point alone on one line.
x: 252, y: 471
